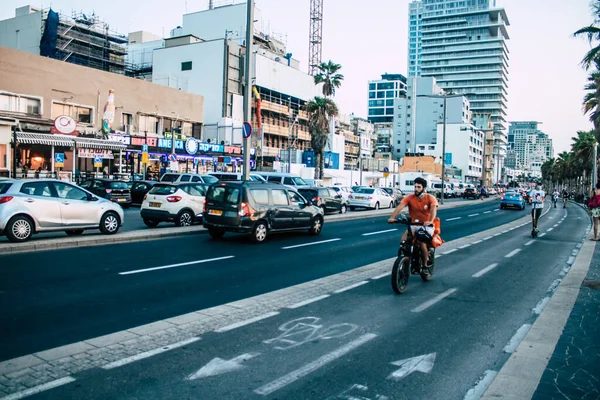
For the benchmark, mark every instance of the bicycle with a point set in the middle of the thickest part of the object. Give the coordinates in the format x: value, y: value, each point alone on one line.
x: 409, y: 260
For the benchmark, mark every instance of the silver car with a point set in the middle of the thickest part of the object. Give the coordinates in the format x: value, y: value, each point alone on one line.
x: 368, y: 197
x: 45, y: 205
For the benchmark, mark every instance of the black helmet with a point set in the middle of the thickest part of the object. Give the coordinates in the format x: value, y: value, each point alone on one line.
x: 422, y: 235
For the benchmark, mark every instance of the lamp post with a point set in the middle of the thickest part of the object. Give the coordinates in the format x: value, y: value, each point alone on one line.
x: 291, y: 146
x: 248, y: 83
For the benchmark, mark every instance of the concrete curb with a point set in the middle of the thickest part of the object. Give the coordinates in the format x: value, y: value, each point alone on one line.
x: 521, y: 374
x: 145, y: 235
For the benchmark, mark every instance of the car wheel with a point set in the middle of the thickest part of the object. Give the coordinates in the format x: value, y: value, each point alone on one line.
x: 150, y: 223
x: 377, y: 206
x: 391, y: 204
x: 316, y: 226
x: 344, y: 209
x: 19, y: 229
x: 259, y: 233
x: 215, y: 233
x: 109, y: 223
x: 185, y: 218
x: 74, y: 232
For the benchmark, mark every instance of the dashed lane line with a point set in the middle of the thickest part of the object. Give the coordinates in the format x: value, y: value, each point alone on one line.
x: 310, y: 244
x: 379, y: 232
x: 309, y: 301
x: 484, y: 271
x: 473, y: 215
x: 433, y: 301
x: 450, y: 251
x: 351, y: 287
x: 512, y: 253
x: 137, y: 271
x: 453, y: 219
x: 39, y: 388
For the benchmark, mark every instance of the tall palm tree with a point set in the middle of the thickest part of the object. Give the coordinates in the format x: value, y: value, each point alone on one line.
x: 592, y: 33
x: 330, y: 78
x: 320, y: 110
x: 591, y: 100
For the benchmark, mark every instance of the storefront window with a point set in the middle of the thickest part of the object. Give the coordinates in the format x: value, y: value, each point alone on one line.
x: 187, y: 129
x: 78, y: 113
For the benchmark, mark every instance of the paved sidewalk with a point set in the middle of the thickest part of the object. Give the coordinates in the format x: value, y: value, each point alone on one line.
x: 573, y: 372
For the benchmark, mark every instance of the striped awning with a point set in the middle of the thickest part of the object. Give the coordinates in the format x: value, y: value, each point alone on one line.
x: 45, y: 139
x: 99, y: 144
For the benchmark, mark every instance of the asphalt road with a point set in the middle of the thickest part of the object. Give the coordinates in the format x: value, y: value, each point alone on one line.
x: 50, y: 291
x: 355, y: 345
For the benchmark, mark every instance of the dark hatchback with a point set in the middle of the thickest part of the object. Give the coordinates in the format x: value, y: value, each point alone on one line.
x: 139, y: 189
x: 258, y: 209
x: 328, y: 199
x: 115, y: 191
x: 470, y: 193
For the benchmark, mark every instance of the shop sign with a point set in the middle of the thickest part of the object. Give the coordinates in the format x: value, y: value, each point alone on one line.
x: 186, y: 145
x: 166, y: 144
x: 191, y: 146
x: 91, y: 153
x: 59, y: 160
x: 126, y: 140
x: 65, y: 124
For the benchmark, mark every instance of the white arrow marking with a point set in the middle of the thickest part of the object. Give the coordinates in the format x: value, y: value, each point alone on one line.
x: 422, y: 363
x: 218, y: 366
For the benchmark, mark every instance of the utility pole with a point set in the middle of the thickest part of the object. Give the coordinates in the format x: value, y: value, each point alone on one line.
x: 248, y: 83
x: 595, y: 172
x: 443, y: 156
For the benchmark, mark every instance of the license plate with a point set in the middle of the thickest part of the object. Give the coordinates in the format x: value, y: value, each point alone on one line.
x: 121, y: 200
x: 215, y: 212
x: 359, y: 197
x: 155, y: 205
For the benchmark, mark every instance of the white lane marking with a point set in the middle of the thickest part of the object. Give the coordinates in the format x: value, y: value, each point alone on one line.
x: 487, y: 238
x: 141, y: 356
x: 39, y: 388
x: 497, y: 234
x: 477, y: 392
x: 497, y: 209
x: 484, y: 271
x: 550, y: 229
x: 530, y: 243
x: 555, y: 225
x: 351, y: 287
x: 137, y: 271
x: 438, y: 255
x: 431, y: 302
x: 506, y: 231
x: 378, y: 232
x: 540, y: 306
x: 218, y: 366
x: 423, y: 363
x: 453, y: 219
x: 487, y: 212
x: 465, y: 246
x: 313, y: 366
x: 517, y: 338
x: 246, y: 322
x: 473, y: 215
x: 554, y: 285
x: 450, y: 251
x: 542, y: 234
x: 381, y: 276
x: 512, y: 253
x: 477, y: 242
x: 311, y: 243
x: 305, y: 302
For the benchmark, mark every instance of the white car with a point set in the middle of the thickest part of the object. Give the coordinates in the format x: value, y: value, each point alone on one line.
x: 172, y: 177
x: 181, y: 203
x: 368, y: 197
x: 345, y: 191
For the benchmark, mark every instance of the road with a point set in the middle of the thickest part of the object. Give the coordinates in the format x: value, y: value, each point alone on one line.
x: 434, y: 342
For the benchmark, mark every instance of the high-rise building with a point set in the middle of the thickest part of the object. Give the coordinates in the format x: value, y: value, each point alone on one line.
x: 382, y: 94
x: 462, y: 43
x: 531, y: 146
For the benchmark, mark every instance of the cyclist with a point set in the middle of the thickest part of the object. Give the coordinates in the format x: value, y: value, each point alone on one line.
x: 422, y: 208
x: 555, y: 196
x: 537, y: 205
x: 565, y: 196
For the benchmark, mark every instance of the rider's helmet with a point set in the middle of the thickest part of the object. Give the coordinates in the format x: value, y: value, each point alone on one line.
x: 422, y: 235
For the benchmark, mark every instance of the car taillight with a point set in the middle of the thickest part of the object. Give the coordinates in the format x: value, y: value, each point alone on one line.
x: 350, y: 196
x: 173, y: 199
x: 244, y: 210
x: 369, y: 197
x: 108, y: 191
x: 5, y: 199
x: 315, y: 199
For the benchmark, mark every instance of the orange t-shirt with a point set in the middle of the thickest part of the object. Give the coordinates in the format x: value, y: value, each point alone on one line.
x: 419, y: 210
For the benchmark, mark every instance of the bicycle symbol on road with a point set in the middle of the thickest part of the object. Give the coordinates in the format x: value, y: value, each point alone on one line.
x: 303, y: 330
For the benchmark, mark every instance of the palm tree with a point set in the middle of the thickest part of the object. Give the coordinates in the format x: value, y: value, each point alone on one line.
x: 330, y: 78
x: 591, y: 100
x: 592, y: 33
x: 320, y: 110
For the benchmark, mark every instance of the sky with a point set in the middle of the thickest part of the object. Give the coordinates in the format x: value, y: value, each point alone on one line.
x: 370, y: 37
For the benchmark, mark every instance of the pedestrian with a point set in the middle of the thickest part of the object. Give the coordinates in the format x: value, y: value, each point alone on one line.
x: 594, y: 207
x: 555, y: 196
x: 565, y: 196
x: 482, y: 193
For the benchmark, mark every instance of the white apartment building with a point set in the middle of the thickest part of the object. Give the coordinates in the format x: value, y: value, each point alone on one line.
x: 464, y: 149
x: 531, y: 146
x: 382, y: 93
x: 463, y: 44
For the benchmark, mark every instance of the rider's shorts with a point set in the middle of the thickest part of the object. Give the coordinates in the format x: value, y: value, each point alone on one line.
x: 414, y: 228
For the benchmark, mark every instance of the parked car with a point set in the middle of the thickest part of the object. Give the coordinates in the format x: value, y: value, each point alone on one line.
x: 512, y: 199
x: 328, y: 199
x: 172, y: 177
x: 258, y: 209
x: 233, y: 176
x: 39, y: 205
x: 116, y: 191
x: 345, y: 191
x: 139, y: 189
x: 368, y: 197
x: 492, y: 191
x: 284, y: 179
x: 396, y: 194
x: 470, y: 193
x: 181, y: 203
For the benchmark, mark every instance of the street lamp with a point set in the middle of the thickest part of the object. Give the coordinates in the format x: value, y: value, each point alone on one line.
x: 290, y: 146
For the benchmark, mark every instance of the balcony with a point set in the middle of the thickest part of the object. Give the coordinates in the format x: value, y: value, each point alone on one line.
x: 274, y: 107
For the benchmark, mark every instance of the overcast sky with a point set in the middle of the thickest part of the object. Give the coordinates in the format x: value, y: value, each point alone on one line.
x: 369, y: 37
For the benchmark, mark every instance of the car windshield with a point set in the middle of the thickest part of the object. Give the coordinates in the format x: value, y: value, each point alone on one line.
x: 209, y: 179
x: 224, y: 194
x: 511, y: 193
x: 169, y: 178
x: 4, y: 186
x: 308, y: 194
x: 118, y: 185
x: 299, y: 181
x: 365, y: 190
x: 163, y: 189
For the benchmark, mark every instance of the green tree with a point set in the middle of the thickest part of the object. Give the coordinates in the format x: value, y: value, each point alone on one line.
x: 592, y: 34
x: 591, y: 100
x: 320, y: 111
x: 330, y: 78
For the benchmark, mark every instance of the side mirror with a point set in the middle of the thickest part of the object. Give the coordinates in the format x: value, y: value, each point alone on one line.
x: 91, y: 198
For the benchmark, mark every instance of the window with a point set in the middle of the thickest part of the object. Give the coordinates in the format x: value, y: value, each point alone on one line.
x: 223, y: 194
x: 78, y: 113
x: 280, y: 197
x: 186, y: 66
x: 389, y: 93
x: 295, y: 198
x: 148, y: 123
x: 41, y: 189
x: 371, y: 86
x: 193, y: 190
x: 20, y: 104
x: 163, y: 189
x: 261, y: 196
x: 127, y: 120
x: 69, y: 192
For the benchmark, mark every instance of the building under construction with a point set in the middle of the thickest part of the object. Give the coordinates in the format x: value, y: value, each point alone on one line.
x: 81, y: 39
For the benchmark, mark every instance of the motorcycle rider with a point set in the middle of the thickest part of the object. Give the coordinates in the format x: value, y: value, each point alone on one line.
x: 422, y: 208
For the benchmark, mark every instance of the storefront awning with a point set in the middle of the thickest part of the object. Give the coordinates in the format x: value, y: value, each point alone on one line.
x: 99, y: 144
x: 45, y: 139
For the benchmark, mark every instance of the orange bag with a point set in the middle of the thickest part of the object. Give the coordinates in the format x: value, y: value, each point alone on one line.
x: 436, y: 227
x: 436, y: 241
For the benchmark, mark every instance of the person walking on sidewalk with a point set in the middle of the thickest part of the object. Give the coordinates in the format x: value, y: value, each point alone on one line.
x: 482, y: 193
x: 537, y: 205
x: 594, y: 206
x: 565, y: 196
